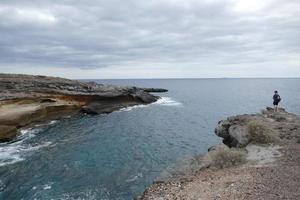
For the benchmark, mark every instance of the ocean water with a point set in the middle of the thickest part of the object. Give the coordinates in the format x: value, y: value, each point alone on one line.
x: 116, y: 156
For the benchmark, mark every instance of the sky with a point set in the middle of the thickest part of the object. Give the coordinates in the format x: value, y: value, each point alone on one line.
x: 150, y: 38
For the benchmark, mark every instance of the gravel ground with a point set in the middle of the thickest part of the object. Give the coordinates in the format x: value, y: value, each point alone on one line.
x: 277, y: 181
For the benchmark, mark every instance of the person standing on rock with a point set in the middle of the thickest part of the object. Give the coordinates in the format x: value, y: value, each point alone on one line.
x: 276, y: 100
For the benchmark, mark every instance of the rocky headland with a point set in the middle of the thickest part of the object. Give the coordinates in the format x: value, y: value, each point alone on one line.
x: 26, y: 99
x: 259, y: 159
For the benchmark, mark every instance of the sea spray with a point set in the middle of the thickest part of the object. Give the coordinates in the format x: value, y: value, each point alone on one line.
x: 167, y: 101
x: 14, y: 152
x: 162, y: 101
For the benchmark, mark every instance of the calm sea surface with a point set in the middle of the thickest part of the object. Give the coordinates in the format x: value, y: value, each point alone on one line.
x: 116, y: 156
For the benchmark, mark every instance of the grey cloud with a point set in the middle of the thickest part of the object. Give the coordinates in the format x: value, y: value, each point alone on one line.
x: 97, y: 34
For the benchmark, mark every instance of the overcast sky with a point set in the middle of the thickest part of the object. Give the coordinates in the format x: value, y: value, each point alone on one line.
x: 150, y: 38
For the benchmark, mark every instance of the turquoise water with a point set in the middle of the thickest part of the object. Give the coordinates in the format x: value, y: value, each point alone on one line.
x: 116, y: 156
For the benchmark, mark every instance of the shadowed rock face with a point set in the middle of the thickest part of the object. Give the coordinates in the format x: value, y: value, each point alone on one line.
x: 7, y: 132
x: 26, y: 99
x: 155, y: 90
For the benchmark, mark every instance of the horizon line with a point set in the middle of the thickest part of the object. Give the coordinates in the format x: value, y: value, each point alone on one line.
x: 153, y: 78
x: 188, y: 78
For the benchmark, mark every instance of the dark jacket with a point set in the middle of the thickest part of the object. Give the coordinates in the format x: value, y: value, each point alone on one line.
x: 276, y: 98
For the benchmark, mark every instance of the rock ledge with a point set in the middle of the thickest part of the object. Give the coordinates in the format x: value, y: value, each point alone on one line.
x: 26, y: 99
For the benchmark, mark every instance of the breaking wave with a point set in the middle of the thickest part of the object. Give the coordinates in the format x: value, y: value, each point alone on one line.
x: 167, y: 101
x: 163, y: 101
x: 13, y: 152
x: 133, y: 107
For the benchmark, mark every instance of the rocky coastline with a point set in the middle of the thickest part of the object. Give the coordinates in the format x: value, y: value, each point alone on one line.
x: 27, y: 99
x: 259, y: 159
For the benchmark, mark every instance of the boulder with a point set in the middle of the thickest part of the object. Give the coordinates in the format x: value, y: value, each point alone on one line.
x: 234, y: 130
x: 222, y: 128
x: 239, y: 135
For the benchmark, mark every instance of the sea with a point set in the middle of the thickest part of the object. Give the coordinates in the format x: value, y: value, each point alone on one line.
x: 116, y: 156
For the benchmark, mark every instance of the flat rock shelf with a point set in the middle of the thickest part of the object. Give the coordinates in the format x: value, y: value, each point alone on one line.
x: 26, y: 99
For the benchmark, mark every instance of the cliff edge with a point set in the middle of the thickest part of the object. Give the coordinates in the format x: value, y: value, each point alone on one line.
x: 259, y: 159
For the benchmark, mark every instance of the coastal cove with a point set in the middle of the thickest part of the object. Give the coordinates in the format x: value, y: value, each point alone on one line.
x: 118, y: 155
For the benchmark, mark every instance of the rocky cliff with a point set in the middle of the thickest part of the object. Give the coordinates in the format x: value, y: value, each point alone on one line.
x: 26, y: 99
x: 237, y: 131
x: 260, y: 159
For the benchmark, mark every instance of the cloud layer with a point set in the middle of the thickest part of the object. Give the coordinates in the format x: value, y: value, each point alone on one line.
x: 154, y: 38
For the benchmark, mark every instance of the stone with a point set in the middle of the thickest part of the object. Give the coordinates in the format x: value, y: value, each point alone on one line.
x: 222, y: 128
x: 240, y: 135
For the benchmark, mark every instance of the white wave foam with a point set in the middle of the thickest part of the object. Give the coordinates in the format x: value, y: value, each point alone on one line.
x: 52, y: 122
x: 133, y: 107
x: 46, y: 124
x: 47, y: 186
x: 167, y: 101
x: 134, y: 178
x: 163, y: 101
x: 9, y: 155
x: 27, y: 133
x: 14, y: 152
